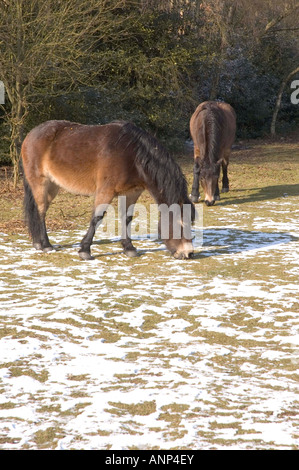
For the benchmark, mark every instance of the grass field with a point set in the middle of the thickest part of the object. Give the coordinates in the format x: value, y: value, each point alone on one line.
x: 152, y: 352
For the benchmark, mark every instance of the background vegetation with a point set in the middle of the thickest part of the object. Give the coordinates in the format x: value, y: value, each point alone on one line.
x: 149, y: 61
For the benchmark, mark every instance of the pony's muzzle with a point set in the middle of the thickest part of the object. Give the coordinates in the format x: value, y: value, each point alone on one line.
x: 187, y: 253
x: 183, y: 255
x: 210, y: 203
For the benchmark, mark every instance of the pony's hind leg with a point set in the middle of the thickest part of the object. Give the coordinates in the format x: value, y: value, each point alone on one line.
x: 127, y: 210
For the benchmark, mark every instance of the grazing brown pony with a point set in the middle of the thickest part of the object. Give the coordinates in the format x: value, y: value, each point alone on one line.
x: 213, y: 129
x: 104, y: 161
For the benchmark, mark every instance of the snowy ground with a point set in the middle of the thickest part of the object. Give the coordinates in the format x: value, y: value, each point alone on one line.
x: 153, y: 352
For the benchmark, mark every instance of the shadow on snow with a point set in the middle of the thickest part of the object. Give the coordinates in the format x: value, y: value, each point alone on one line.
x: 220, y: 241
x: 207, y: 242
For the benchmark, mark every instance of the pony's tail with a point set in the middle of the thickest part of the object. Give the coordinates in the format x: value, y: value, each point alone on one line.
x: 205, y: 136
x: 32, y: 216
x: 212, y: 133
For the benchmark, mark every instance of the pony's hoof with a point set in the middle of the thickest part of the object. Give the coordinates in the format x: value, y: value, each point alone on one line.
x: 225, y: 190
x: 37, y: 246
x: 131, y: 253
x: 183, y: 256
x: 85, y: 256
x: 47, y: 249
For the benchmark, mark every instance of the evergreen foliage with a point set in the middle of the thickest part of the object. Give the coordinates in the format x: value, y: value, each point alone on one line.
x: 152, y: 62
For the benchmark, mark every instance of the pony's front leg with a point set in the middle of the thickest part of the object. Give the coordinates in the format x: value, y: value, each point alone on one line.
x: 86, y: 242
x: 102, y: 201
x: 126, y: 242
x: 127, y: 209
x: 195, y: 186
x: 99, y: 212
x: 225, y: 182
x: 217, y: 193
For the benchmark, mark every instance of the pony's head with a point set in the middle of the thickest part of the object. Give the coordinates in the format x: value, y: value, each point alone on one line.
x: 175, y: 228
x: 180, y: 249
x: 209, y: 176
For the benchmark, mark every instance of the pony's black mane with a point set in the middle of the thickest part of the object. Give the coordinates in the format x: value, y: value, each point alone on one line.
x: 160, y: 171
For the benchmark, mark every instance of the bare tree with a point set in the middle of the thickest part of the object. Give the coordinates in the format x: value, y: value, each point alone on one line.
x: 288, y: 11
x: 222, y: 13
x: 257, y: 21
x: 284, y: 22
x: 44, y: 44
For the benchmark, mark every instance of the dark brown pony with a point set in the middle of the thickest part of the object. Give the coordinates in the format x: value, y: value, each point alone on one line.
x: 104, y: 161
x: 213, y: 129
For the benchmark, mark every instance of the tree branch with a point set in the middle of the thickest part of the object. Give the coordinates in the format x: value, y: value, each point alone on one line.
x: 279, y: 98
x: 276, y: 21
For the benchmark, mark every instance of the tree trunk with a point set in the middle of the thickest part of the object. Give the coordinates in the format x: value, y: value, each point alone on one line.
x: 224, y: 25
x: 279, y: 98
x: 16, y: 135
